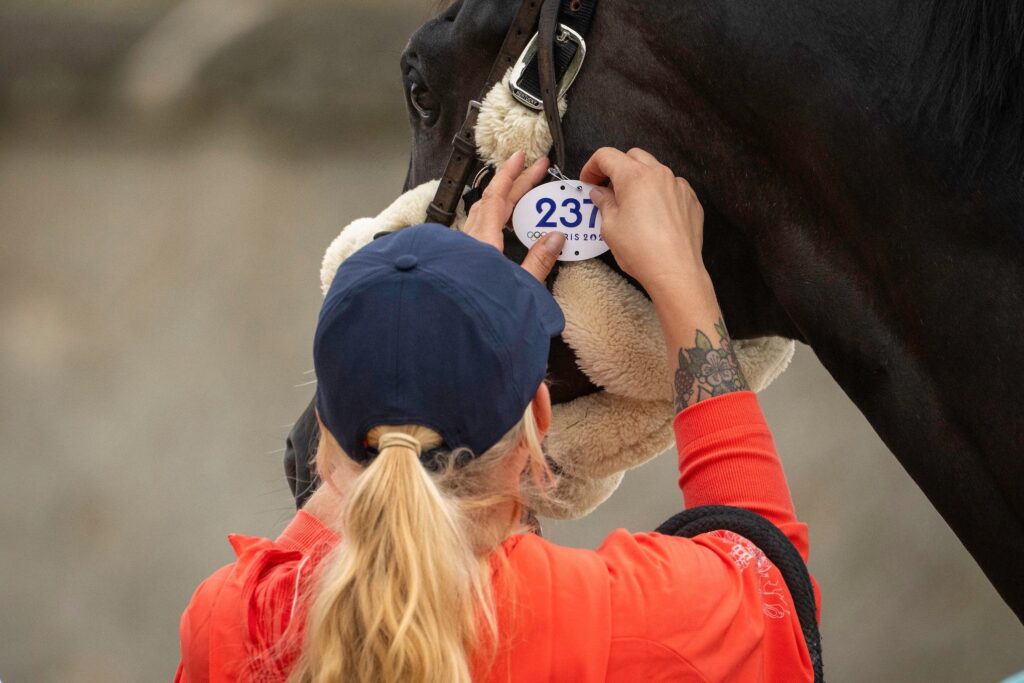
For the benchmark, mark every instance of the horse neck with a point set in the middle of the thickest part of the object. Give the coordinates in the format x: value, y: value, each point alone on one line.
x: 942, y: 82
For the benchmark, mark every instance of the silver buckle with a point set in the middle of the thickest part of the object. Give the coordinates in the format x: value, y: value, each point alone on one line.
x: 533, y: 100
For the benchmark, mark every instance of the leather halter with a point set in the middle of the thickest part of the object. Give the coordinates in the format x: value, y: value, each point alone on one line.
x: 553, y: 58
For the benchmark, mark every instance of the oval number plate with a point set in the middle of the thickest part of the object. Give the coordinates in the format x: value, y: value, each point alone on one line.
x: 562, y: 206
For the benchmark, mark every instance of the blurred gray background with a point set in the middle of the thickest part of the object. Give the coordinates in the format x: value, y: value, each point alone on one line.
x: 170, y: 174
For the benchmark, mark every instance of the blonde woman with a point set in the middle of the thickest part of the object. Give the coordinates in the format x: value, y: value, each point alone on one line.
x: 412, y: 562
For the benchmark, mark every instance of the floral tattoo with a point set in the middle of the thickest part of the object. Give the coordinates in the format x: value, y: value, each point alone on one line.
x: 706, y: 370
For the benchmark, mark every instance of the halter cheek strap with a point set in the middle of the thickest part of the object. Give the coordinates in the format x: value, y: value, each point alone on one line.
x: 462, y: 162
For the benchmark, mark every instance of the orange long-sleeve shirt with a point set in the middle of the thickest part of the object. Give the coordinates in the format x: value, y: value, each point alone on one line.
x: 642, y: 607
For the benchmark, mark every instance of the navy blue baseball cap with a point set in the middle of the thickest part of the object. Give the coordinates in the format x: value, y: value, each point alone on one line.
x: 432, y: 327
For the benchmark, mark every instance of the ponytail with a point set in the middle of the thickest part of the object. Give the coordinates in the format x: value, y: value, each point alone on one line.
x: 402, y: 597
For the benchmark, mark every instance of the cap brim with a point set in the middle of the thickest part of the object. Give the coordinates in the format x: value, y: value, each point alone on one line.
x: 551, y: 315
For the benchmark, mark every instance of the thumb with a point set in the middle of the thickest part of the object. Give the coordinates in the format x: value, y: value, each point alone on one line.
x: 542, y: 255
x: 604, y: 199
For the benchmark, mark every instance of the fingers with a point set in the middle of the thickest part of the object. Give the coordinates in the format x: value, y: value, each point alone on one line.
x: 617, y: 166
x: 542, y: 255
x: 528, y: 179
x: 488, y: 216
x: 689, y: 196
x: 604, y: 199
x: 644, y: 157
x: 485, y: 222
x: 685, y: 187
x: 607, y: 162
x: 511, y: 181
x: 504, y: 177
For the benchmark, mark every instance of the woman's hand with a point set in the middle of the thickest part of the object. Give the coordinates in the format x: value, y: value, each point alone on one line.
x: 488, y: 217
x: 654, y: 226
x: 650, y: 219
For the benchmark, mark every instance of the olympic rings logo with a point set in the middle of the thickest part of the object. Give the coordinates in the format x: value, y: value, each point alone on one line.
x: 535, y: 235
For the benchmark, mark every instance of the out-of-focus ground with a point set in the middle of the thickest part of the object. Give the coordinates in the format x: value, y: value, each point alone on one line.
x: 164, y: 202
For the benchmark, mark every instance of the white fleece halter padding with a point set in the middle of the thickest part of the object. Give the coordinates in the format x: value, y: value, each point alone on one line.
x: 610, y: 325
x: 575, y: 496
x: 409, y: 209
x: 504, y: 127
x: 614, y: 331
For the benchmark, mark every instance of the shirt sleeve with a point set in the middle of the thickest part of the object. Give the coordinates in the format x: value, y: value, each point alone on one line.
x: 716, y: 600
x: 727, y: 457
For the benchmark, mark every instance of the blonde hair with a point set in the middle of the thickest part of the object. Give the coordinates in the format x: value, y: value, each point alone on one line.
x: 407, y: 595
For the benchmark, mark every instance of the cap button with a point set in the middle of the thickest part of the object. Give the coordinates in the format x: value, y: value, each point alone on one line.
x: 406, y: 262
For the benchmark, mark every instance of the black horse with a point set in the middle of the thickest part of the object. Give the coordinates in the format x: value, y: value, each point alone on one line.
x: 862, y: 171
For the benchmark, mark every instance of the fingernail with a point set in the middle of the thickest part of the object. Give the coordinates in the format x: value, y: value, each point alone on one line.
x: 597, y: 194
x: 553, y: 242
x: 539, y: 161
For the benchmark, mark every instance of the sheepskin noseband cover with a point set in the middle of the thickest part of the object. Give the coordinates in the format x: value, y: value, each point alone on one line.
x: 610, y: 325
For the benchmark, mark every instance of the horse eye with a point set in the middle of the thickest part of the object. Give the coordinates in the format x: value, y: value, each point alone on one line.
x: 421, y: 100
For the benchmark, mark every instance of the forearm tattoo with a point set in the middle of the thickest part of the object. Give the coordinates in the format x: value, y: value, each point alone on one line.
x: 707, y: 370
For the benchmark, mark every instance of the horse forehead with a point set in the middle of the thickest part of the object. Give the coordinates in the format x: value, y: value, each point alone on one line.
x: 464, y: 29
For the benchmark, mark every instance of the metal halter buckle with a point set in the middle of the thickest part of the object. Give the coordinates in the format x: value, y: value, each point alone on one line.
x: 533, y: 100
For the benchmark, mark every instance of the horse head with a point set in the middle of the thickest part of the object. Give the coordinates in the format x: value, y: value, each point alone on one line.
x: 860, y: 166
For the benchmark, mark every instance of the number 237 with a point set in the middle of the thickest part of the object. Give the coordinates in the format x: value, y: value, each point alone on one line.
x: 547, y: 206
